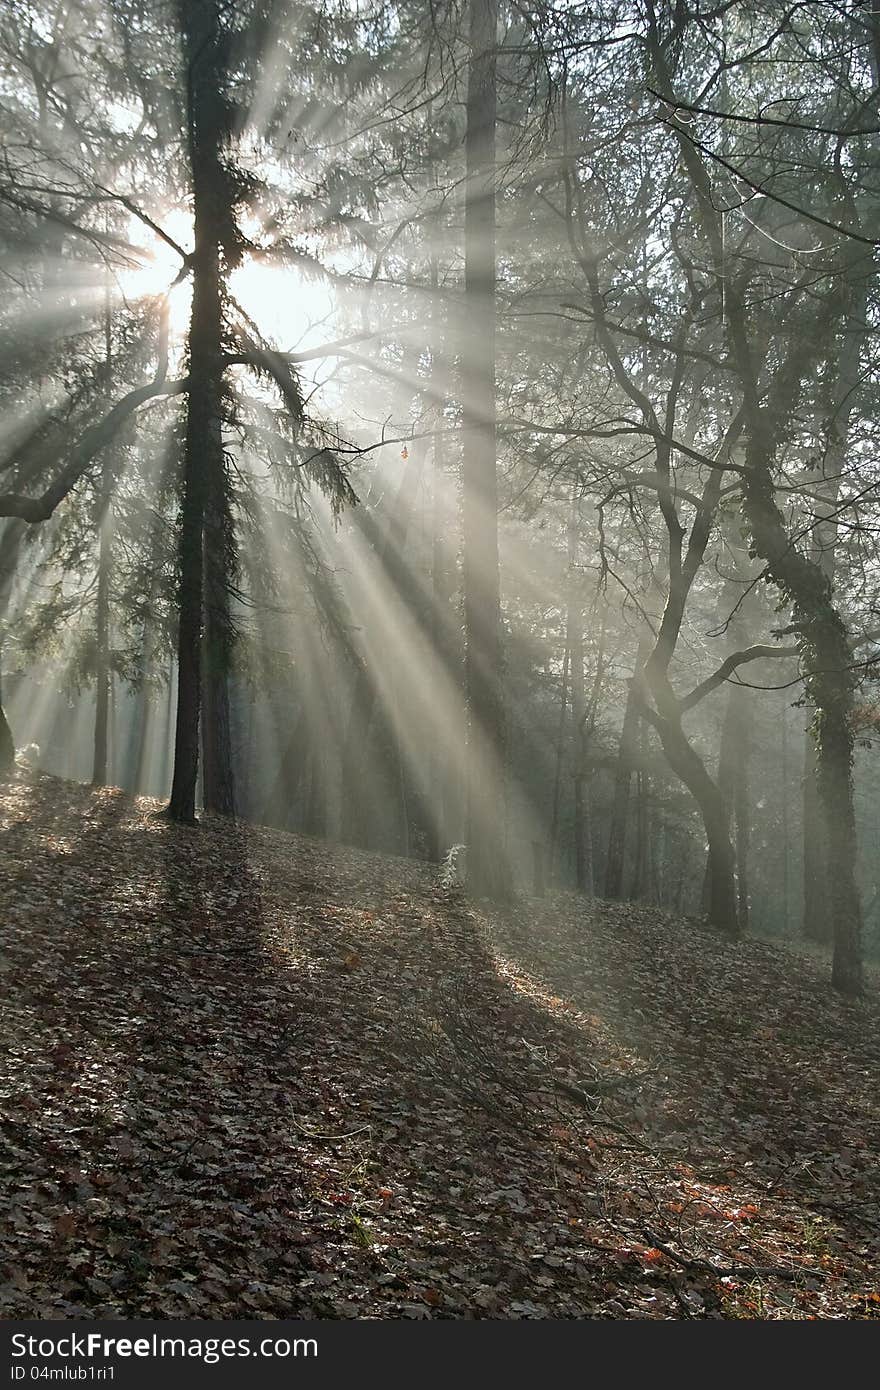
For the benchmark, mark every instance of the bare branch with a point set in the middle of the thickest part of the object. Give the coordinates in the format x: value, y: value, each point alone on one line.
x: 726, y: 669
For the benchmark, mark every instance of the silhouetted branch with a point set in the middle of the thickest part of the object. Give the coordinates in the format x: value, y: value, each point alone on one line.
x: 726, y: 669
x: 95, y: 438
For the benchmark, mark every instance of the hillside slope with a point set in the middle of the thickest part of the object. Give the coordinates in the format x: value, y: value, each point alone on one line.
x: 249, y: 1074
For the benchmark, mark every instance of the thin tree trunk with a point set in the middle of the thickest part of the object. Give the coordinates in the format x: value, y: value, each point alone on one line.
x: 488, y: 874
x: 575, y: 638
x: 102, y: 628
x: 641, y: 859
x: 446, y: 657
x: 10, y: 544
x: 277, y: 807
x: 557, y: 774
x: 816, y: 916
x: 742, y: 817
x: 732, y: 780
x: 7, y: 742
x: 626, y: 759
x: 143, y: 729
x: 786, y: 838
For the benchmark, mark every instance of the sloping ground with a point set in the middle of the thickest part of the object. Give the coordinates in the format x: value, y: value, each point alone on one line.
x: 250, y: 1075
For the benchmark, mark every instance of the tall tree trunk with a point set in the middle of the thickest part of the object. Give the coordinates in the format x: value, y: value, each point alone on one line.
x: 10, y: 544
x: 829, y: 684
x: 557, y: 771
x: 203, y: 463
x: 488, y: 874
x: 626, y: 761
x: 277, y: 807
x: 816, y: 916
x: 141, y: 729
x: 444, y: 771
x: 7, y: 742
x: 447, y: 660
x: 575, y: 642
x: 641, y: 876
x: 742, y: 815
x: 786, y: 837
x: 102, y: 627
x: 218, y: 777
x: 806, y: 581
x: 732, y: 779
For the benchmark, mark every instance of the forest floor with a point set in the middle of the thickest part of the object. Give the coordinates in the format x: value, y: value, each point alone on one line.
x: 249, y: 1074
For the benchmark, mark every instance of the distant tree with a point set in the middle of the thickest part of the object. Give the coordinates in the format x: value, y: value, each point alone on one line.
x: 488, y: 874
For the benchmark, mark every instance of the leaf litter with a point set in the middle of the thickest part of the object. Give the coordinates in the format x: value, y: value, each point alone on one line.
x: 252, y: 1074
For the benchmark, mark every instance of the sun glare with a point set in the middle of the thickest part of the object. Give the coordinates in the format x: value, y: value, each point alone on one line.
x: 289, y: 309
x: 158, y: 263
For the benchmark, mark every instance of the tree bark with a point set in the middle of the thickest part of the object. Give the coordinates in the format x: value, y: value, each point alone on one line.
x: 816, y: 916
x: 102, y: 628
x: 583, y: 859
x: 10, y: 544
x: 444, y: 772
x: 203, y: 462
x: 488, y: 874
x: 218, y: 780
x: 626, y: 759
x: 732, y: 778
x: 7, y: 742
x: 688, y: 766
x: 557, y: 771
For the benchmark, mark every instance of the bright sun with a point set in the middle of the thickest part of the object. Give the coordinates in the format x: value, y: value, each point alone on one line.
x: 288, y: 309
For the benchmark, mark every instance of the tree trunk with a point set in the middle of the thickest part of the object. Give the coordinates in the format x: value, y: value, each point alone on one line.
x: 7, y: 742
x: 447, y: 659
x: 575, y: 642
x: 277, y: 806
x: 826, y: 656
x: 732, y: 779
x: 626, y: 759
x: 218, y: 778
x: 488, y: 874
x: 102, y: 628
x: 444, y: 771
x: 203, y: 462
x: 141, y: 730
x: 639, y: 887
x: 557, y: 772
x: 816, y: 918
x: 742, y: 819
x: 686, y: 764
x: 10, y: 544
